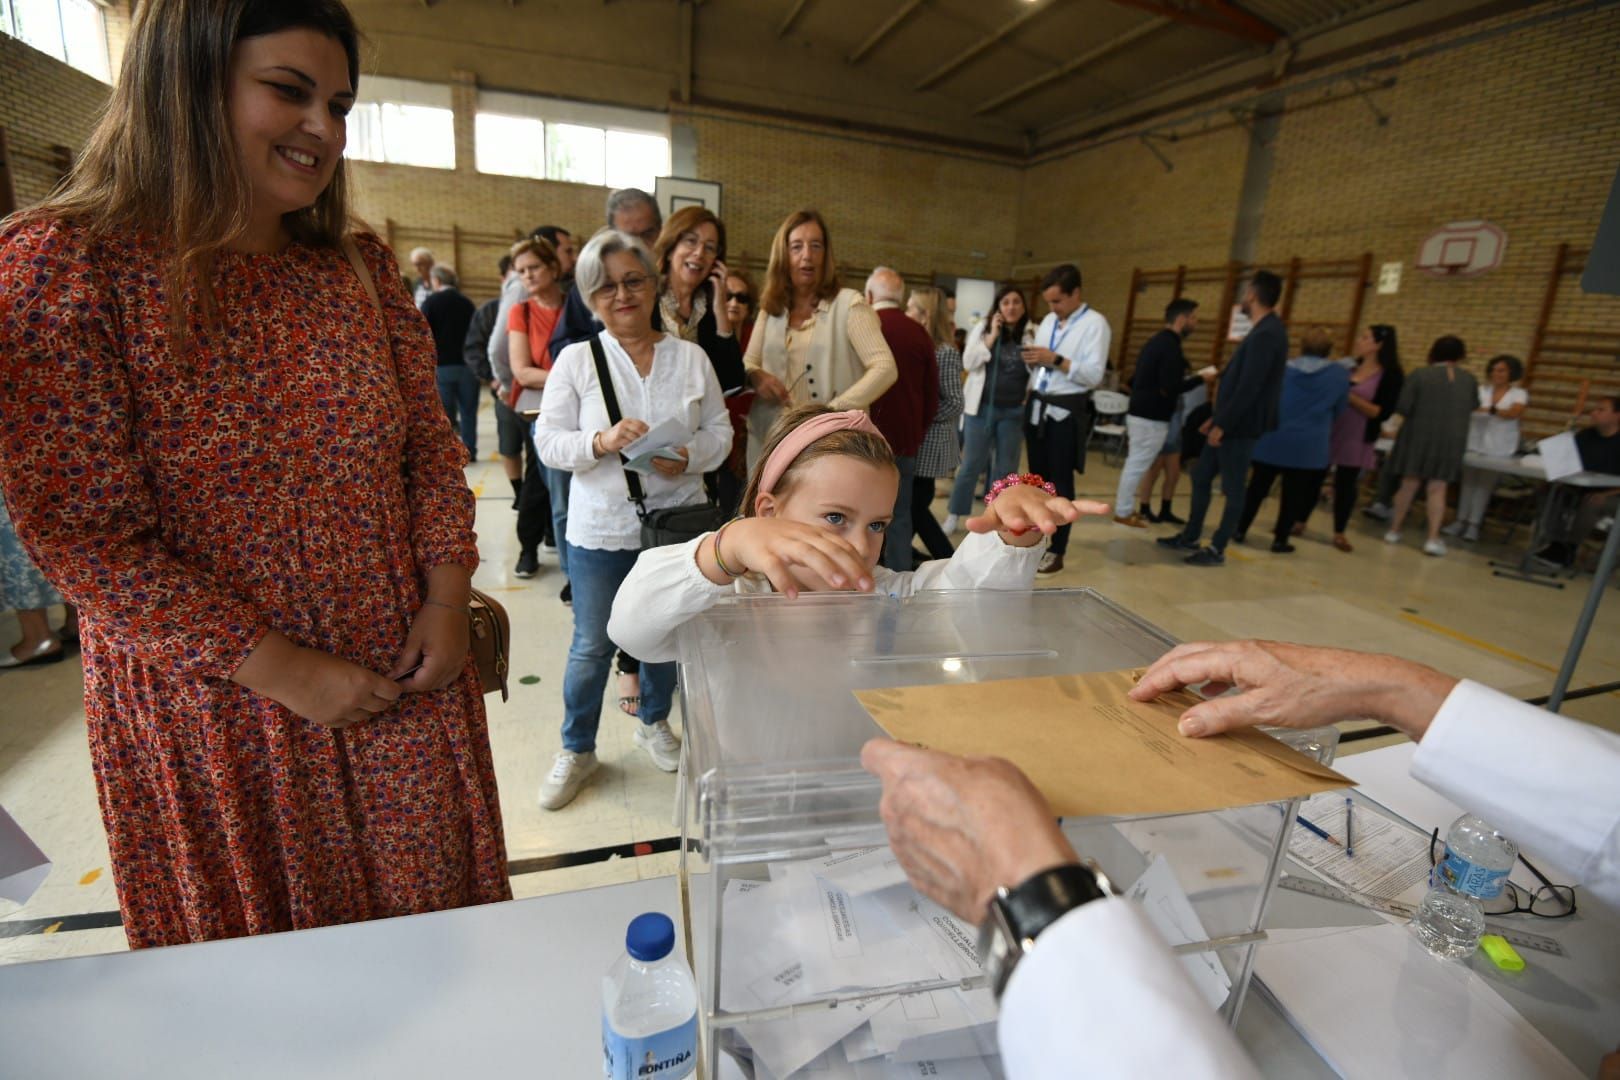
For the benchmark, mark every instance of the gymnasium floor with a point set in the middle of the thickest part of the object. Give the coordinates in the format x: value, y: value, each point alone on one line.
x: 1447, y: 612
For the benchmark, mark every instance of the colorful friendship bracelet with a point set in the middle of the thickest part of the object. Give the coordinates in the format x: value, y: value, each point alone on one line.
x: 1014, y: 480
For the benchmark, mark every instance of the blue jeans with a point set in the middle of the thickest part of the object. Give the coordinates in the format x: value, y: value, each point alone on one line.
x: 995, y: 427
x: 557, y: 481
x: 897, y: 538
x: 1231, y: 461
x: 596, y: 576
x: 458, y: 391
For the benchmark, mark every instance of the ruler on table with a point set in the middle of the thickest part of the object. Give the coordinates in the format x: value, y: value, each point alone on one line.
x: 1513, y: 934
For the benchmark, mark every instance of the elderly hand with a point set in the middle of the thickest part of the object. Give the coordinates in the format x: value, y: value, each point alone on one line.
x: 963, y: 827
x: 1295, y: 686
x: 670, y: 467
x: 770, y: 389
x: 619, y: 436
x: 1025, y: 514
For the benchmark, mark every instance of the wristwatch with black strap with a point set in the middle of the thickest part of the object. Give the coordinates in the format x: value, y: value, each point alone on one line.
x: 1018, y: 915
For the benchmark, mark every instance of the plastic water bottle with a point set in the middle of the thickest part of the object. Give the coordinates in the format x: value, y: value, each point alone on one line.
x: 1450, y: 920
x: 649, y: 1007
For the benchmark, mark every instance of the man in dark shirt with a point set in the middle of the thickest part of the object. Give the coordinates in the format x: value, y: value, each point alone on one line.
x: 448, y: 315
x: 1156, y: 388
x: 1245, y: 409
x: 904, y: 412
x: 1600, y: 453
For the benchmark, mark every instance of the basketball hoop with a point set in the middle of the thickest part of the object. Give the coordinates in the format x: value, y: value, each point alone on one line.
x: 1462, y: 249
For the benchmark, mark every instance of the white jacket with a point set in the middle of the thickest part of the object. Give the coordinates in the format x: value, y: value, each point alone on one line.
x: 666, y: 588
x: 975, y: 360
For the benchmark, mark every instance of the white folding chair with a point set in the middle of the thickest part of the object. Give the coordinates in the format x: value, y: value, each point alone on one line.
x: 1109, y: 426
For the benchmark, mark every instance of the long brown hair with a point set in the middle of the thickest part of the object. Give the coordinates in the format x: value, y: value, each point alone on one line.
x: 932, y: 301
x: 777, y: 296
x: 685, y: 220
x: 162, y: 161
x: 861, y: 445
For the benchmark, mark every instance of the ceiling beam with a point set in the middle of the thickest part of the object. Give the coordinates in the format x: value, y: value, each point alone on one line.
x: 1085, y: 59
x: 1251, y: 25
x: 688, y: 46
x: 905, y: 12
x: 973, y: 52
x: 1262, y: 33
x: 792, y: 17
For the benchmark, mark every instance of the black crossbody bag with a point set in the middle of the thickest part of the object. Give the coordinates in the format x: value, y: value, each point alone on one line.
x: 672, y: 525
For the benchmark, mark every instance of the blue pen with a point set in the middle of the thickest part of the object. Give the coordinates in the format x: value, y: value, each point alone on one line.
x: 1349, y: 842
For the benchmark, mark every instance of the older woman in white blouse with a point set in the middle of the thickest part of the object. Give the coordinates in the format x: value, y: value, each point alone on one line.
x: 658, y: 379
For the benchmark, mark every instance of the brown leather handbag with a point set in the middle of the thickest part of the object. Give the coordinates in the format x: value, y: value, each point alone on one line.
x: 491, y: 627
x: 491, y: 638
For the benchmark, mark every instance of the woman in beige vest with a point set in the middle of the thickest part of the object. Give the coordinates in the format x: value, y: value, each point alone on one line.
x: 814, y: 341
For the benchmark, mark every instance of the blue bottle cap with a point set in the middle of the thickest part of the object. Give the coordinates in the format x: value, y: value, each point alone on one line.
x: 650, y: 937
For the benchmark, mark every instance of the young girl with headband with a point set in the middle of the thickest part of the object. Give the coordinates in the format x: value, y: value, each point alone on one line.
x: 814, y: 514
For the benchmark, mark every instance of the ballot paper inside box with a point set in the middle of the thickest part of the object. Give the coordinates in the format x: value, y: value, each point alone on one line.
x: 817, y: 959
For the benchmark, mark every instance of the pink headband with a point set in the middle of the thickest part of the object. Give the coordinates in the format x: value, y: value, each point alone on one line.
x: 799, y: 439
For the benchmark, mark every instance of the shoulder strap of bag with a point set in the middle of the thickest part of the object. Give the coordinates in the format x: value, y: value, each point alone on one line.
x: 351, y: 251
x: 611, y: 400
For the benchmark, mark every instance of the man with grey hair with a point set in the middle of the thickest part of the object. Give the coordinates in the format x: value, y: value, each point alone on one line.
x: 630, y: 211
x: 448, y: 315
x: 906, y: 409
x: 422, y: 260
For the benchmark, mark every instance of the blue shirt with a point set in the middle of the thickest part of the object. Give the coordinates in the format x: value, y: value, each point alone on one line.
x: 1314, y: 392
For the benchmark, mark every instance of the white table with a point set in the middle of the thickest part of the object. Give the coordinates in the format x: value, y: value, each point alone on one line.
x: 513, y: 989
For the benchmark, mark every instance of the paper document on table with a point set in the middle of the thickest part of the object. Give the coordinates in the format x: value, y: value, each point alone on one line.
x: 1560, y: 457
x: 1375, y: 1004
x: 23, y: 867
x: 1091, y: 750
x: 1172, y: 915
x: 659, y: 442
x: 1391, y: 860
x: 835, y: 1065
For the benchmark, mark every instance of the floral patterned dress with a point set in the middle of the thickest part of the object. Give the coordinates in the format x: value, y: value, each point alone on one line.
x: 293, y: 470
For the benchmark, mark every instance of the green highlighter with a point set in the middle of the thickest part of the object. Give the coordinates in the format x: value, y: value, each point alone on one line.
x: 1501, y: 954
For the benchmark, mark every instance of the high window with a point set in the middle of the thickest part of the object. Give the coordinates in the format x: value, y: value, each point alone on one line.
x: 73, y: 31
x: 403, y: 122
x: 547, y: 139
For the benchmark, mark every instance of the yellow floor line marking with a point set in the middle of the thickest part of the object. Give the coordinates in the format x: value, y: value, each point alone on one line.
x: 91, y: 876
x: 1469, y: 639
x: 51, y: 929
x: 478, y: 490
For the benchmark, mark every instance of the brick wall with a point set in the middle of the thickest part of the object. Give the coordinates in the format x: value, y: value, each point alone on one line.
x: 1522, y: 130
x: 43, y: 104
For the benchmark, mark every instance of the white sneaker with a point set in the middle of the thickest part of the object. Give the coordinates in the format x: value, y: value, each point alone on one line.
x: 1471, y: 534
x: 1377, y: 511
x: 568, y: 774
x: 1434, y: 547
x: 1392, y: 537
x: 1454, y: 529
x: 951, y: 524
x: 661, y: 744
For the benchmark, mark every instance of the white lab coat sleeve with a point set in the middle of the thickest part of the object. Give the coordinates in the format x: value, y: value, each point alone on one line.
x: 1087, y: 352
x: 663, y: 590
x: 1550, y: 784
x: 981, y: 561
x: 1100, y: 994
x: 975, y: 354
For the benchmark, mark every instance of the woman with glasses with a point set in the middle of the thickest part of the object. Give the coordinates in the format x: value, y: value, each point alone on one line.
x: 814, y: 341
x: 658, y: 380
x: 741, y: 308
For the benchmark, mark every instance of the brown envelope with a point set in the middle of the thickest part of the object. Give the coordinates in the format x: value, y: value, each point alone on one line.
x: 1091, y: 750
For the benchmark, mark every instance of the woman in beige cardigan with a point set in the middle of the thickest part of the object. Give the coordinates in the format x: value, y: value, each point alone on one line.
x: 814, y: 341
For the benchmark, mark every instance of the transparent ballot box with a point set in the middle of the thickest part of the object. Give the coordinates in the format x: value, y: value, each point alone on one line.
x: 812, y: 954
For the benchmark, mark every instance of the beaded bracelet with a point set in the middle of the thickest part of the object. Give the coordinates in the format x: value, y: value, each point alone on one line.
x: 1014, y: 480
x: 718, y: 561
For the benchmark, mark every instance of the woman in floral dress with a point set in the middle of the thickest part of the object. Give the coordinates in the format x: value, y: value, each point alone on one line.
x: 240, y: 472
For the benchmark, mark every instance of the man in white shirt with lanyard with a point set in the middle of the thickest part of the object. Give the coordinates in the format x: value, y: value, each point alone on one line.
x: 1082, y: 977
x: 1066, y: 363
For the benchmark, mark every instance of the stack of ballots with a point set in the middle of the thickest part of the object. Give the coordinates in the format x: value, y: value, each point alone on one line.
x: 847, y: 922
